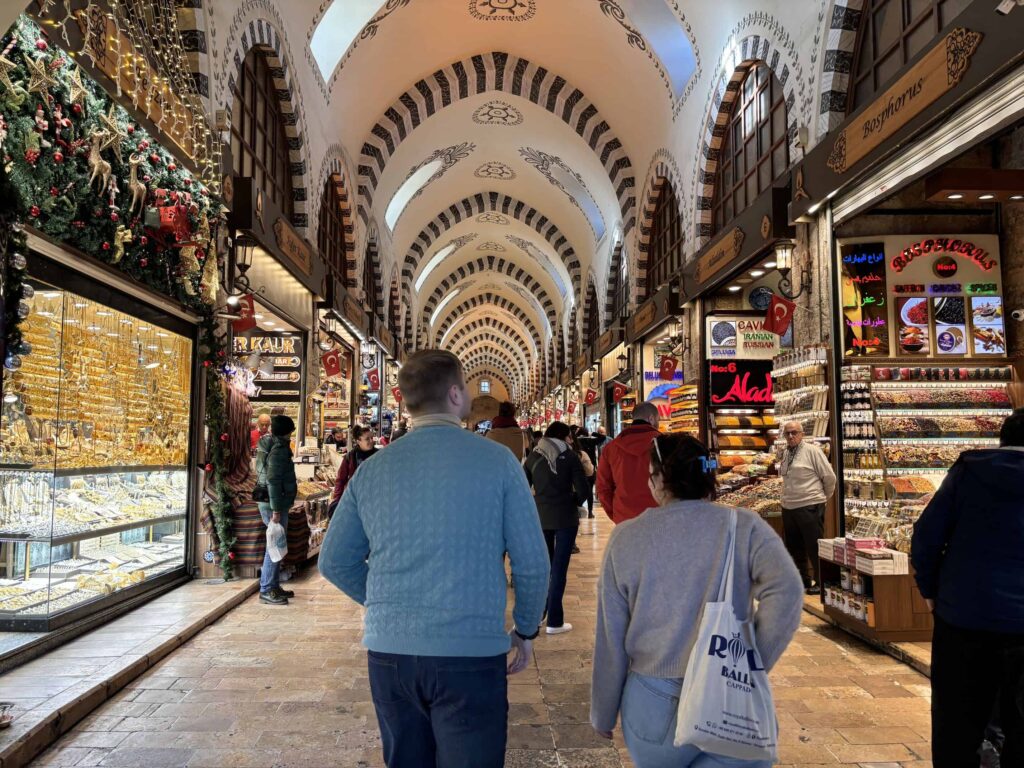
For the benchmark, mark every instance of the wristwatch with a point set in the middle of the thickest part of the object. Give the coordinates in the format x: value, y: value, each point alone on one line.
x: 526, y: 637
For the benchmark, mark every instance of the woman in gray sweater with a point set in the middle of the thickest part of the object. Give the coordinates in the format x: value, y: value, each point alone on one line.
x: 659, y: 570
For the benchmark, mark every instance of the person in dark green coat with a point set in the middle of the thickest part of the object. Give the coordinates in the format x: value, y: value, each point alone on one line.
x: 275, y: 468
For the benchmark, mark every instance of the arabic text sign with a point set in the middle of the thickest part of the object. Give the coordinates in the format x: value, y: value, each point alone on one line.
x: 865, y: 299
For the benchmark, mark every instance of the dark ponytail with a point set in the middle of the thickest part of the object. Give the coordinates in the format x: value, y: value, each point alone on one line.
x: 685, y: 466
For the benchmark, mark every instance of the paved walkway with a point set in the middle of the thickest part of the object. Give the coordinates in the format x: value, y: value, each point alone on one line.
x: 283, y: 687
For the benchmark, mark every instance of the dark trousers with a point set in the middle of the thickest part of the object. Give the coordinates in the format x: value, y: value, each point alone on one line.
x: 560, y: 543
x: 802, y: 528
x: 440, y: 711
x: 591, y: 481
x: 972, y: 671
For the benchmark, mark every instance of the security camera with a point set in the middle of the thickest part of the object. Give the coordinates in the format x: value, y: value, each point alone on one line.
x: 1018, y: 315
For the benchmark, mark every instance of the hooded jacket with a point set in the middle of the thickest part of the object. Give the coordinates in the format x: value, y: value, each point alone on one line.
x: 968, y: 544
x: 274, y: 465
x: 507, y: 432
x: 558, y: 494
x: 623, y: 472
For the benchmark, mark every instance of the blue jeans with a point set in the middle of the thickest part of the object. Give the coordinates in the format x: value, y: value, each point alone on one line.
x: 440, y: 711
x: 270, y: 573
x: 649, y: 706
x: 560, y: 544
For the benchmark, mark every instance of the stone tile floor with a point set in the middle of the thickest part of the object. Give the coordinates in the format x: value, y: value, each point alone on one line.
x: 269, y: 686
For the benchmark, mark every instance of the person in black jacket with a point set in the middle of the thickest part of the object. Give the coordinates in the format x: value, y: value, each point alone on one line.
x: 560, y: 486
x: 968, y: 557
x: 588, y: 444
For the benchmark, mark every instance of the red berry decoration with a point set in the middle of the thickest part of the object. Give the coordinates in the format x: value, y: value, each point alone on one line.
x: 172, y: 167
x: 224, y: 437
x: 208, y: 467
x: 34, y: 211
x: 41, y: 45
x: 58, y: 157
x: 131, y: 129
x: 154, y: 159
x: 143, y: 144
x: 144, y: 241
x: 105, y: 246
x: 143, y: 262
x: 114, y: 216
x: 54, y: 191
x: 231, y: 555
x: 206, y: 363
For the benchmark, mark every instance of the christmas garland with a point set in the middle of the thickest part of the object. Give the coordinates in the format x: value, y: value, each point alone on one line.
x: 78, y: 169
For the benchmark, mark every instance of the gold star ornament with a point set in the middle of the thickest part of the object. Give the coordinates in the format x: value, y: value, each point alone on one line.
x: 115, y: 134
x: 5, y: 74
x: 76, y: 88
x: 40, y: 80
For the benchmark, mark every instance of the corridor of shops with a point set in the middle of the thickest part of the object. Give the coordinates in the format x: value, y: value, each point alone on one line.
x: 279, y: 277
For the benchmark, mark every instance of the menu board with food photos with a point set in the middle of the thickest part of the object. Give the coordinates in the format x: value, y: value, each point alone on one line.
x: 922, y: 296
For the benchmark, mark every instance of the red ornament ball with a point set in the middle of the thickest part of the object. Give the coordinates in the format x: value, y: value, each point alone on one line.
x: 172, y: 167
x: 34, y: 211
x: 144, y: 240
x: 224, y: 437
x: 114, y: 216
x: 208, y: 467
x: 131, y: 129
x: 143, y: 144
x: 41, y: 45
x: 76, y: 108
x: 206, y: 363
x: 187, y: 182
x: 143, y: 262
x: 231, y: 555
x: 58, y: 157
x: 105, y: 246
x: 154, y: 159
x: 54, y: 191
x: 147, y: 178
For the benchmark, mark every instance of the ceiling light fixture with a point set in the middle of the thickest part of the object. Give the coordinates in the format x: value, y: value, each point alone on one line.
x: 756, y: 272
x: 954, y: 196
x: 735, y: 288
x: 770, y: 265
x: 1017, y: 197
x: 986, y: 197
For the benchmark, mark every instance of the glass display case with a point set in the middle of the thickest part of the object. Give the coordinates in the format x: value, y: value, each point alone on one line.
x: 94, y: 446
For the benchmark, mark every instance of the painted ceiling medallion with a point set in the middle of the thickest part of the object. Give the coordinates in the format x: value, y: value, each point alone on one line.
x: 497, y: 113
x: 493, y: 218
x: 495, y: 170
x: 502, y: 10
x: 490, y: 245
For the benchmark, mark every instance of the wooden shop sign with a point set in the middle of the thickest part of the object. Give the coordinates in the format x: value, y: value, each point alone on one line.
x: 354, y: 313
x: 387, y: 340
x: 642, y: 319
x: 293, y: 246
x: 720, y: 256
x: 938, y: 72
x: 108, y: 48
x: 583, y: 362
x: 606, y: 342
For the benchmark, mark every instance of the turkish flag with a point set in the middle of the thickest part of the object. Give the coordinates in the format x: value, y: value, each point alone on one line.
x: 780, y: 315
x: 331, y: 362
x: 397, y: 394
x: 618, y: 391
x: 373, y: 378
x: 247, y: 310
x: 558, y: 414
x: 547, y: 415
x: 591, y: 397
x: 667, y: 367
x: 572, y: 407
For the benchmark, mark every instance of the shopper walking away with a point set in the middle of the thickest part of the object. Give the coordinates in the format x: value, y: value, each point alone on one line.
x: 601, y: 439
x: 419, y: 539
x: 968, y: 557
x: 587, y: 444
x: 673, y: 556
x: 622, y: 467
x: 807, y: 483
x: 362, y: 449
x: 505, y: 430
x: 401, y: 431
x: 559, y: 484
x: 275, y: 468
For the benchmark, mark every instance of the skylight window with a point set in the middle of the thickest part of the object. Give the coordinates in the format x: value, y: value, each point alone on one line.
x: 438, y: 258
x: 409, y: 190
x: 444, y: 303
x: 572, y: 186
x: 666, y: 37
x: 337, y: 30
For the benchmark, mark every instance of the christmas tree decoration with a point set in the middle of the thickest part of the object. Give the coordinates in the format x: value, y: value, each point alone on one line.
x: 76, y: 90
x: 6, y: 65
x: 115, y: 134
x: 40, y: 80
x: 122, y: 237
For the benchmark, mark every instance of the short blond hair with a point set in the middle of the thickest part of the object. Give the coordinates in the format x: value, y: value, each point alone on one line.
x: 425, y: 379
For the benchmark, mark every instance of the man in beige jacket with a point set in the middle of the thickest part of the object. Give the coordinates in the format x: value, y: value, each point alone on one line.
x: 505, y: 430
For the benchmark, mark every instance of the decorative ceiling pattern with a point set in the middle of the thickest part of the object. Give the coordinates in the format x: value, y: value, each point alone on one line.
x: 492, y: 324
x: 495, y: 170
x: 490, y: 245
x: 485, y: 301
x: 497, y: 113
x: 558, y: 173
x: 502, y: 10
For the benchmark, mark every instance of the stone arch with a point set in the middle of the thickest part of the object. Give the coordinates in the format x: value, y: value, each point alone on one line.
x: 373, y: 253
x: 663, y: 171
x: 496, y: 326
x: 490, y: 202
x: 335, y: 169
x: 485, y: 265
x: 590, y: 304
x: 482, y: 373
x: 505, y: 351
x: 486, y: 299
x: 260, y: 32
x: 837, y: 64
x: 486, y: 359
x: 506, y: 73
x: 736, y: 61
x: 614, y: 266
x: 394, y: 304
x: 487, y: 337
x: 192, y: 27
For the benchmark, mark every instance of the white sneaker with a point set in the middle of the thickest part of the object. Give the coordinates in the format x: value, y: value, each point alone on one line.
x: 567, y: 627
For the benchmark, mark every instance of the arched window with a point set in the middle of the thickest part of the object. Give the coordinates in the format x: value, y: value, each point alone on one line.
x: 259, y: 146
x: 665, y: 252
x: 394, y: 310
x: 331, y: 233
x: 891, y: 33
x: 755, y: 149
x: 620, y: 289
x: 370, y: 292
x: 593, y: 316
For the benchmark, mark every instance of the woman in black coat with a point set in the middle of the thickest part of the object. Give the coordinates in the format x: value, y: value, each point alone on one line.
x: 560, y: 486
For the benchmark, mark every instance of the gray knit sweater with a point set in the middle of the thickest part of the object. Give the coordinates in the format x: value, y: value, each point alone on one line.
x: 659, y: 571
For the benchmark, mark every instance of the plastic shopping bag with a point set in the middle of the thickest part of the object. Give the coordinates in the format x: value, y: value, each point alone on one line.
x: 725, y: 706
x: 277, y: 542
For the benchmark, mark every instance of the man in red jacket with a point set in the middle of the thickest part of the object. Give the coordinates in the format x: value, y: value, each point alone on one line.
x: 624, y: 469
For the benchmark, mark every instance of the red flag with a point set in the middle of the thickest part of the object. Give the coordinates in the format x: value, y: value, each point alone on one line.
x: 373, y: 378
x: 397, y: 394
x: 547, y: 415
x: 331, y: 362
x: 667, y: 367
x: 618, y: 391
x: 247, y: 310
x: 558, y: 414
x: 780, y: 315
x: 572, y: 407
x: 591, y: 397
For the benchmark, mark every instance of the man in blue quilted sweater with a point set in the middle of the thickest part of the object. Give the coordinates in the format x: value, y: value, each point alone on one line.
x: 419, y: 538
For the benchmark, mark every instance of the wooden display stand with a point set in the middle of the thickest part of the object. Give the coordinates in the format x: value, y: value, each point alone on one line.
x: 901, y: 614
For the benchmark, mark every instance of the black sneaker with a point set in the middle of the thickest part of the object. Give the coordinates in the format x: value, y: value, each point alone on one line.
x: 287, y: 593
x: 575, y: 549
x: 273, y: 597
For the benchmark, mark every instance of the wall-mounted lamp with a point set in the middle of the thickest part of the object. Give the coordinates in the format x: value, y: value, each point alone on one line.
x: 784, y: 250
x: 622, y: 361
x: 242, y: 249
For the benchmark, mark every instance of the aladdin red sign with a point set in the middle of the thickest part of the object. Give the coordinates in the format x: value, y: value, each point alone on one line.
x: 962, y: 248
x: 741, y: 382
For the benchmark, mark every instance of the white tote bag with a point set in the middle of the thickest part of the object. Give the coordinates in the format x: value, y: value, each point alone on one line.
x: 725, y: 706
